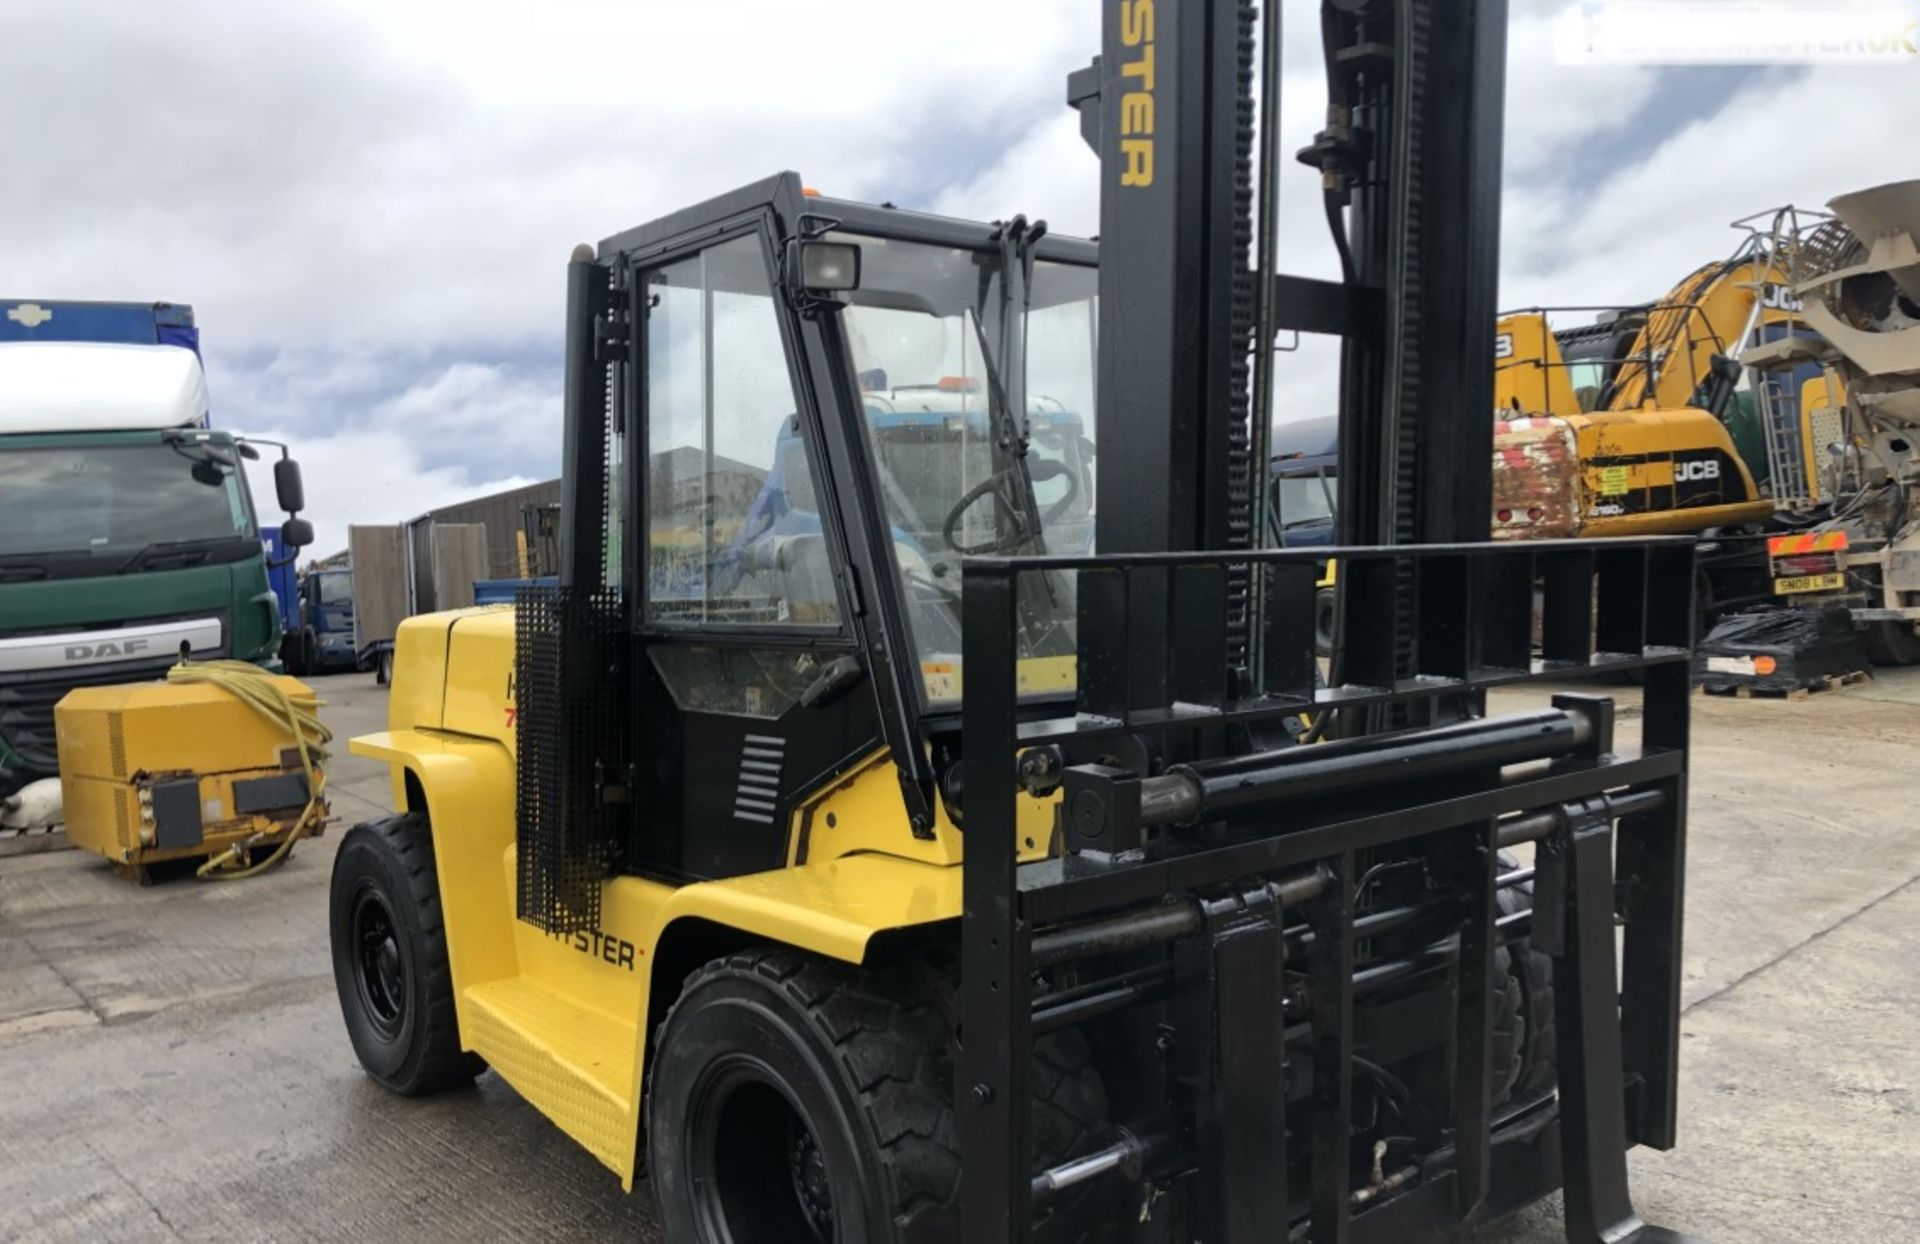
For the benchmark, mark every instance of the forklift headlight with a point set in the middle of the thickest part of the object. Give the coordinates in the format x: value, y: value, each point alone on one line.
x: 824, y: 267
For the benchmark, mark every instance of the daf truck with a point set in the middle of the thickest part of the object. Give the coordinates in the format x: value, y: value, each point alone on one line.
x: 127, y: 532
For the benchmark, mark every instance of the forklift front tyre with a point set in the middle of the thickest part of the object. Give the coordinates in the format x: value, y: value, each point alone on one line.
x: 794, y: 1099
x: 1324, y: 614
x: 390, y: 958
x: 1533, y: 1069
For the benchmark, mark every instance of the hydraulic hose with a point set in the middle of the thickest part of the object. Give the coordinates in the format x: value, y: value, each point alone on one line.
x: 299, y: 716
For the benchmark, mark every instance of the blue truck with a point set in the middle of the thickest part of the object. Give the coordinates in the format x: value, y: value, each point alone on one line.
x: 1304, y: 485
x: 316, y: 611
x: 127, y: 531
x: 326, y: 621
x: 284, y: 579
x: 1303, y: 499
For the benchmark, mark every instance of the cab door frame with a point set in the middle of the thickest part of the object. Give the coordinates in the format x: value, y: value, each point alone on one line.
x: 859, y: 717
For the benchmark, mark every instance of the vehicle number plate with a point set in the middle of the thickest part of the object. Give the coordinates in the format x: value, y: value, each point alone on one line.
x: 1810, y: 583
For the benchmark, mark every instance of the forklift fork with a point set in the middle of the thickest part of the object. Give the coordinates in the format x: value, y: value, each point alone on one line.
x: 1574, y: 923
x: 1224, y: 902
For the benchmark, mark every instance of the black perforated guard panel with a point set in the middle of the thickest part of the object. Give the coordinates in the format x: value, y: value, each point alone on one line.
x: 568, y: 685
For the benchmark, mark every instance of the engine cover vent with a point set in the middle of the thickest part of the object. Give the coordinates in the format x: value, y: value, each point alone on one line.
x: 756, y: 794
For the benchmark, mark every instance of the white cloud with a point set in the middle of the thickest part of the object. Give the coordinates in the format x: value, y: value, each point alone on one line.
x: 1635, y: 234
x: 412, y: 174
x: 1556, y: 112
x: 381, y: 470
x: 1554, y: 115
x: 370, y: 203
x: 517, y: 415
x: 1049, y: 174
x: 366, y: 478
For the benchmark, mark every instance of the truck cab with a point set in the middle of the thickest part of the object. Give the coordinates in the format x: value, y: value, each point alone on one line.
x: 127, y: 531
x: 326, y: 621
x: 1303, y: 497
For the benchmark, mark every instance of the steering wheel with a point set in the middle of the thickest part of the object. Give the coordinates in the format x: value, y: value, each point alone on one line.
x: 1048, y: 468
x: 1038, y: 470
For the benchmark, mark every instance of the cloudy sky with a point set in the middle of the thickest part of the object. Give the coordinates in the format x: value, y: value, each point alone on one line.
x: 370, y: 202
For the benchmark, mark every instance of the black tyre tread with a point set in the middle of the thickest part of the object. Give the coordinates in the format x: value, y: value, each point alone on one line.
x: 410, y: 839
x: 1890, y: 644
x: 1510, y: 1026
x: 893, y: 1040
x: 1533, y: 974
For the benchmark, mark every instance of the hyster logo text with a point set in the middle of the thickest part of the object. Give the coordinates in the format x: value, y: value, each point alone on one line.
x: 615, y: 950
x: 101, y: 651
x: 1136, y: 102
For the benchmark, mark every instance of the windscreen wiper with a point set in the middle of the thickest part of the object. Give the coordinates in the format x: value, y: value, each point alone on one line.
x: 138, y: 560
x: 1006, y: 375
x: 24, y: 571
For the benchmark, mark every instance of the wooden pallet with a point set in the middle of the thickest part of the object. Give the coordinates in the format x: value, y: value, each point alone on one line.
x: 1829, y: 682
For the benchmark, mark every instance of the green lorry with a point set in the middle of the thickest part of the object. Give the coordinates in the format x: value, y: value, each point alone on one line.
x: 127, y: 532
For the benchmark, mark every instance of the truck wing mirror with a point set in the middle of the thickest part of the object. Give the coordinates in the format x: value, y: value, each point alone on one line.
x: 296, y: 533
x: 287, y: 486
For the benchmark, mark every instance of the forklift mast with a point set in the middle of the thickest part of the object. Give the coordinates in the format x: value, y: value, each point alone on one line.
x: 1410, y: 169
x: 1410, y: 166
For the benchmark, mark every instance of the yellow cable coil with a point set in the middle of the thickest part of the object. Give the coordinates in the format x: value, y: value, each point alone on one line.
x: 299, y: 716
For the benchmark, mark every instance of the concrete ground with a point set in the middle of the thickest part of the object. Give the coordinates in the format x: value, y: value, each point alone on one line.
x: 174, y: 1065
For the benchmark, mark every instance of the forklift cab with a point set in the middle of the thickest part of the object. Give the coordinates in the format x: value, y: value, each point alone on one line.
x: 802, y: 450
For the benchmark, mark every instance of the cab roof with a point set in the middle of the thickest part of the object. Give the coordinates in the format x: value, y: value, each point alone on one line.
x: 74, y: 386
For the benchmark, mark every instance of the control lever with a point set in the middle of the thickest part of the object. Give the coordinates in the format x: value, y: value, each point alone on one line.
x: 835, y: 677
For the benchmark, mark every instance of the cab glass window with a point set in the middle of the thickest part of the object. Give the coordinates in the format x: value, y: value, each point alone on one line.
x: 919, y: 330
x: 733, y: 535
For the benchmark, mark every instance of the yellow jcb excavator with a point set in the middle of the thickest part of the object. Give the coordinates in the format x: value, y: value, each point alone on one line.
x: 1622, y: 426
x: 1642, y: 421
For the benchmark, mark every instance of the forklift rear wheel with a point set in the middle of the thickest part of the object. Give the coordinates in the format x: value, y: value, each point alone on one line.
x: 793, y: 1099
x: 390, y: 958
x: 1892, y: 643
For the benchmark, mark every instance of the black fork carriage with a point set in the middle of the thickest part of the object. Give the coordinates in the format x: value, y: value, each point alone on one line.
x: 1297, y: 948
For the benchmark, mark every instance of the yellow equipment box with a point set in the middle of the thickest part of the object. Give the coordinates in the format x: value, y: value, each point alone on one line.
x: 161, y: 771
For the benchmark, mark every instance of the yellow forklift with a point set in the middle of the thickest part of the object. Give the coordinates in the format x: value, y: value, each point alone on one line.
x: 892, y: 828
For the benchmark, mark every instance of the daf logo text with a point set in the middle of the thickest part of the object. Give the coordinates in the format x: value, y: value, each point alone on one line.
x: 105, y: 649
